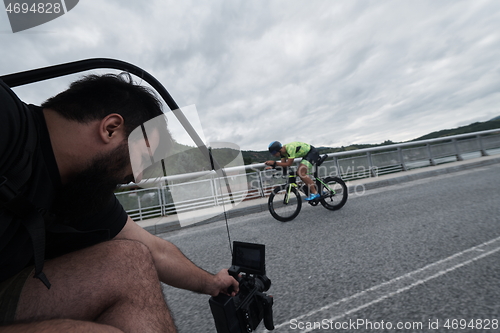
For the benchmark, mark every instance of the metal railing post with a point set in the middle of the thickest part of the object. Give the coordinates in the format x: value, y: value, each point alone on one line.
x: 429, y: 152
x: 402, y: 159
x: 370, y: 165
x: 140, y: 207
x: 337, y: 167
x: 457, y: 151
x: 213, y: 186
x: 160, y: 199
x: 261, y: 184
x: 480, y: 144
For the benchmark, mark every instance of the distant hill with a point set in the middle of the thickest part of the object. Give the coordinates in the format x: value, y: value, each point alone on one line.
x: 474, y: 127
x: 250, y: 156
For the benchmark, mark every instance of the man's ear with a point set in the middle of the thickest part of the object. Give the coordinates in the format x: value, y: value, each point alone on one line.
x: 112, y: 126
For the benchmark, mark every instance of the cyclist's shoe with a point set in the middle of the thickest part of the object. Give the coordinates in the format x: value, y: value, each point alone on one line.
x: 312, y: 197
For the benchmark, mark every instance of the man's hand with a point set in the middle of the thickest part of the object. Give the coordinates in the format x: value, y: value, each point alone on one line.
x: 223, y: 283
x: 270, y: 163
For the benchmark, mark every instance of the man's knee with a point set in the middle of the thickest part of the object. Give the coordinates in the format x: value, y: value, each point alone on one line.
x: 126, y: 257
x: 90, y: 282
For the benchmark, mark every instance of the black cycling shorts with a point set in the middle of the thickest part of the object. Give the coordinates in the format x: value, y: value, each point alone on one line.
x: 311, y: 157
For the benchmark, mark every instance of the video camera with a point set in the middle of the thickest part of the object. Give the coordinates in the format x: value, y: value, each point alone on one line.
x: 244, y: 312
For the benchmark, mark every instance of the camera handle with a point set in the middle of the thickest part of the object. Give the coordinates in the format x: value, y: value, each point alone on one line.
x: 234, y: 271
x: 267, y: 301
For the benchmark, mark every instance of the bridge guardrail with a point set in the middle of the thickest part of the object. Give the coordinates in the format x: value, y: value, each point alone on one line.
x: 142, y: 204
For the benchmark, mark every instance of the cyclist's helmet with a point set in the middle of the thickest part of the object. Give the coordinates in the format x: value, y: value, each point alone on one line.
x: 274, y: 147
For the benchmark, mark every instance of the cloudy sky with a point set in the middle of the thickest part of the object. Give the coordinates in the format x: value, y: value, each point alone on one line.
x: 328, y: 72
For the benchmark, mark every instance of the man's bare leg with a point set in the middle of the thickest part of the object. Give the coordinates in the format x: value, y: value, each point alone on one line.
x: 60, y: 325
x: 113, y: 283
x: 302, y: 172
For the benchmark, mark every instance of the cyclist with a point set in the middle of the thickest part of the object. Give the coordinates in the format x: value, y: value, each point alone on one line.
x: 288, y: 153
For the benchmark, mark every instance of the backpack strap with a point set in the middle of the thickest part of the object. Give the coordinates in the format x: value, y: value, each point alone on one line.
x: 32, y: 218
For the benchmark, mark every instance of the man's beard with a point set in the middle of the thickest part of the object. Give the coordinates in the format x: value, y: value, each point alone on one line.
x: 90, y: 190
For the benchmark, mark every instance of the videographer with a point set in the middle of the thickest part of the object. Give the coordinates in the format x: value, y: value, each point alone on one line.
x: 96, y: 270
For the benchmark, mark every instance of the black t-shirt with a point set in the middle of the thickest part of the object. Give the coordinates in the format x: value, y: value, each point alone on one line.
x: 16, y: 249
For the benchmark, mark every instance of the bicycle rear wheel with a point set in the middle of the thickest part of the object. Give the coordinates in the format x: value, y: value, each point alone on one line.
x: 284, y: 203
x: 334, y: 194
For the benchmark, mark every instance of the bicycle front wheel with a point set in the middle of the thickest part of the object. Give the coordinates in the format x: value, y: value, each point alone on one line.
x: 284, y: 203
x: 334, y: 193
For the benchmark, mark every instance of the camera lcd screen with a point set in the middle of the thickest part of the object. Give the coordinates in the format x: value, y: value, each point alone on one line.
x: 249, y: 257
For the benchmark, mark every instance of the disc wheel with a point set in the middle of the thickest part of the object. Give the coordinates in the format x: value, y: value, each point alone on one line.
x: 334, y: 195
x: 284, y: 203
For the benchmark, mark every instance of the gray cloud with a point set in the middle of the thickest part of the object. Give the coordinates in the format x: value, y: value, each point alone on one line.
x: 325, y: 72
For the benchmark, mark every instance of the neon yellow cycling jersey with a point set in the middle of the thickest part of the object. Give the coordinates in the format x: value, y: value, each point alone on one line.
x: 296, y: 149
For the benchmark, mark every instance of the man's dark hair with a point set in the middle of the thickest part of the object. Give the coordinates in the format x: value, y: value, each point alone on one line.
x: 95, y: 96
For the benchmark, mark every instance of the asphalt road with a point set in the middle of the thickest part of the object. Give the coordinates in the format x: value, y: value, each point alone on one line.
x: 422, y: 256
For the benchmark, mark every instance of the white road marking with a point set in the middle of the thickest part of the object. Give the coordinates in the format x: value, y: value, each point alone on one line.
x: 352, y: 304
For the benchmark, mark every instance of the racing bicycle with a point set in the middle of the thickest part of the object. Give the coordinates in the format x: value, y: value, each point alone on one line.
x: 285, y: 201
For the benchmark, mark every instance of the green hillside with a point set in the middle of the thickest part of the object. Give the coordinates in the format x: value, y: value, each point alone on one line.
x: 475, y: 127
